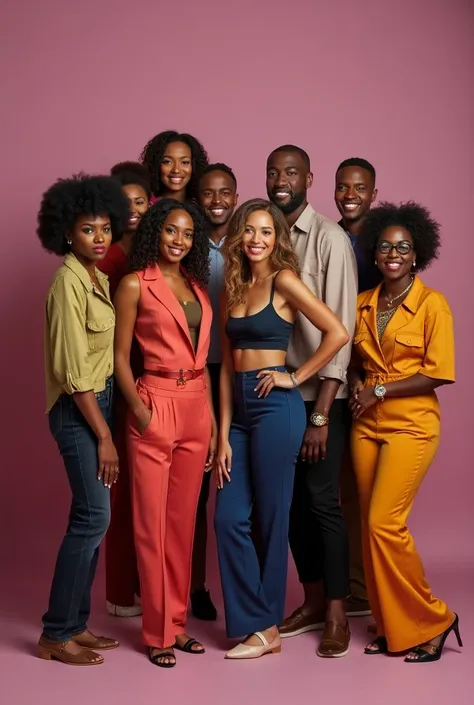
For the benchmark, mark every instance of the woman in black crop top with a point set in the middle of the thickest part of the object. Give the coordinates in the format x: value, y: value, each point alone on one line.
x: 262, y: 418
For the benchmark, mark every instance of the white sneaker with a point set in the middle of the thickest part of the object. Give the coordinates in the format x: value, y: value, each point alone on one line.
x: 119, y: 611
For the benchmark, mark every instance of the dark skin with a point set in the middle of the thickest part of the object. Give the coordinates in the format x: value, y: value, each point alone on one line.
x: 288, y: 181
x: 139, y: 204
x: 176, y: 170
x: 397, y: 270
x: 90, y: 238
x: 218, y: 198
x: 176, y: 240
x: 354, y: 194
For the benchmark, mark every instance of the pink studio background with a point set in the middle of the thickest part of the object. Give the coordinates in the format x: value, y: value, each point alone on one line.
x: 87, y: 84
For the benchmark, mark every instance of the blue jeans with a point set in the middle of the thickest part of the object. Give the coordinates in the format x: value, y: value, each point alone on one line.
x: 265, y: 437
x: 70, y: 597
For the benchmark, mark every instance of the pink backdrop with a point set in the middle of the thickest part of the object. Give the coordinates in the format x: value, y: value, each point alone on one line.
x: 88, y: 83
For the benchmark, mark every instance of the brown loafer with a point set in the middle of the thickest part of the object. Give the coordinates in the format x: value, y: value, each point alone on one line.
x: 49, y: 650
x: 300, y: 622
x: 335, y: 641
x: 90, y: 641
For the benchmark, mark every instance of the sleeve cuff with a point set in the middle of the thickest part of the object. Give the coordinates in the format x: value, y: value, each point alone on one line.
x: 83, y: 384
x: 333, y: 372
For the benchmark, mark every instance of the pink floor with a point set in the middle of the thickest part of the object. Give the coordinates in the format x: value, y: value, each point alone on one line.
x: 297, y: 675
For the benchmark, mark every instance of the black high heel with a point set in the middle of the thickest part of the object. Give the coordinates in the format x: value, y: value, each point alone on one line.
x: 425, y: 656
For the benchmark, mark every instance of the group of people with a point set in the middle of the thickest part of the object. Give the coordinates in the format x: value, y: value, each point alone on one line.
x: 294, y: 357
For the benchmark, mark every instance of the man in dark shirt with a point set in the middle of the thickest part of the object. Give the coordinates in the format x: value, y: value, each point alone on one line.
x: 354, y: 194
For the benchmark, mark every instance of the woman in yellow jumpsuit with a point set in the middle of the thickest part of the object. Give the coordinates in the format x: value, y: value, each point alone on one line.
x: 403, y: 350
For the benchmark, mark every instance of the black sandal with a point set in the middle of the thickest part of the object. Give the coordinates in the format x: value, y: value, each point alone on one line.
x: 188, y: 647
x: 423, y: 656
x: 382, y: 647
x: 162, y: 655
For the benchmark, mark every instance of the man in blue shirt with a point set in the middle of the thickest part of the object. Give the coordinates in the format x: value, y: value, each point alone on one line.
x: 217, y: 196
x: 354, y: 194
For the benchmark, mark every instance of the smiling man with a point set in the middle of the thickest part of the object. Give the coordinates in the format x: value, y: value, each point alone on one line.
x: 217, y: 196
x: 318, y: 536
x: 354, y: 194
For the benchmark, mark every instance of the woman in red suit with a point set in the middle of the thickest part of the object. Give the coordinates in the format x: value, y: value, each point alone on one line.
x: 171, y: 431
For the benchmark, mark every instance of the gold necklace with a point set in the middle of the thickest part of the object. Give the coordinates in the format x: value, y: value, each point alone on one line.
x: 391, y: 299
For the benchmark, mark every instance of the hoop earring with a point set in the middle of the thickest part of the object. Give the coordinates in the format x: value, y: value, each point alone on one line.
x: 69, y: 242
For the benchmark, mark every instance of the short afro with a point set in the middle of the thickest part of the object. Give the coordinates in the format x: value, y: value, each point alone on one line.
x: 146, y: 243
x: 359, y: 162
x: 128, y: 178
x: 293, y: 148
x: 414, y: 218
x: 219, y: 166
x: 133, y: 167
x: 152, y: 156
x: 69, y: 199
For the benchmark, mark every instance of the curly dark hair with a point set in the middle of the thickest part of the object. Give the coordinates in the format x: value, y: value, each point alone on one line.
x: 411, y: 216
x: 152, y: 156
x: 237, y: 271
x: 146, y: 243
x: 69, y: 199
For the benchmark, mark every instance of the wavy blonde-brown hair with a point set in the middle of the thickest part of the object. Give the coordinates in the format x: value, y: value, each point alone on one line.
x: 236, y: 264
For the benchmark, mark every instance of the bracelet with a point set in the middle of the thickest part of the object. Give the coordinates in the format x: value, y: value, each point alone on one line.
x: 294, y: 379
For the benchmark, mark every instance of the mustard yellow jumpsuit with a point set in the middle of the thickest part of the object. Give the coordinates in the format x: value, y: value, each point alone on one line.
x: 393, y: 445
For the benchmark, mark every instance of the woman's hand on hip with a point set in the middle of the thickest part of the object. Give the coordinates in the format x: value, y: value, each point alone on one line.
x: 211, y: 457
x: 361, y: 401
x: 108, y: 462
x: 272, y: 378
x: 223, y: 464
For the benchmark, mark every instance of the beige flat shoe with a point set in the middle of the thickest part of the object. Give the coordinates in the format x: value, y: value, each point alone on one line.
x: 243, y: 651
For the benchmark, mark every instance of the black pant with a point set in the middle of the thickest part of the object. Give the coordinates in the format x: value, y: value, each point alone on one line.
x: 318, y: 534
x: 70, y: 597
x: 200, y: 534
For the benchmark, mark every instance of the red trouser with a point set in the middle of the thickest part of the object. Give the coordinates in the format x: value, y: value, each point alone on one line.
x: 121, y: 571
x: 167, y: 464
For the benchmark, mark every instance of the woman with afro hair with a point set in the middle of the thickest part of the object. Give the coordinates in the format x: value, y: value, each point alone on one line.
x: 403, y: 351
x: 171, y: 430
x: 175, y: 163
x: 79, y: 218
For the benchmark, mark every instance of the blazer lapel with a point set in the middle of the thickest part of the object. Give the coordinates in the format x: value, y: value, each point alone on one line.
x: 160, y: 289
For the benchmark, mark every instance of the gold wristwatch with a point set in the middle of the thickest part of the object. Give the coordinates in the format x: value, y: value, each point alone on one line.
x: 318, y: 419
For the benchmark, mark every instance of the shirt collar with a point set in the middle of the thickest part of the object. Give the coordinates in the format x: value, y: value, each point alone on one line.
x: 216, y: 246
x: 411, y: 302
x: 79, y: 270
x: 304, y: 221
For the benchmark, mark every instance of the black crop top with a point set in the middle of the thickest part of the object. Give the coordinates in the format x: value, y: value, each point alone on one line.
x: 265, y: 330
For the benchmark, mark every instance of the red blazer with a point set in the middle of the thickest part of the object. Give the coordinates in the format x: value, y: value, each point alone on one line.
x: 161, y: 327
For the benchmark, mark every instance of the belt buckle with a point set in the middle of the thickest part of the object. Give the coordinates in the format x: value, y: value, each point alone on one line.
x: 181, y: 379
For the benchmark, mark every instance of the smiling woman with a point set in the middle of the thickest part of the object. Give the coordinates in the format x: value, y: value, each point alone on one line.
x: 164, y: 306
x: 403, y: 351
x: 175, y: 163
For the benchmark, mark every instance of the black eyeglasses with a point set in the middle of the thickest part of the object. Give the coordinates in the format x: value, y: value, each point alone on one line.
x: 403, y: 248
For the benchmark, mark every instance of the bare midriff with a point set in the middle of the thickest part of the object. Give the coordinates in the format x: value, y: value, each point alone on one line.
x: 247, y: 360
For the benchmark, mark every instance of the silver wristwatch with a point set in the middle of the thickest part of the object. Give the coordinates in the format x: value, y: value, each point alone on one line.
x: 380, y: 392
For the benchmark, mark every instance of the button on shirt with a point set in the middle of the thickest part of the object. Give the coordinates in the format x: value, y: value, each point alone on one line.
x: 216, y: 286
x: 79, y: 332
x: 329, y: 269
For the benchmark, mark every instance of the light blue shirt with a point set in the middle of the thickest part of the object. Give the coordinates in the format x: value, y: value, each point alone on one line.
x: 216, y: 286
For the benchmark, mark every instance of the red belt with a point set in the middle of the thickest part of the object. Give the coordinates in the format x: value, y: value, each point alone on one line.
x: 181, y: 375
